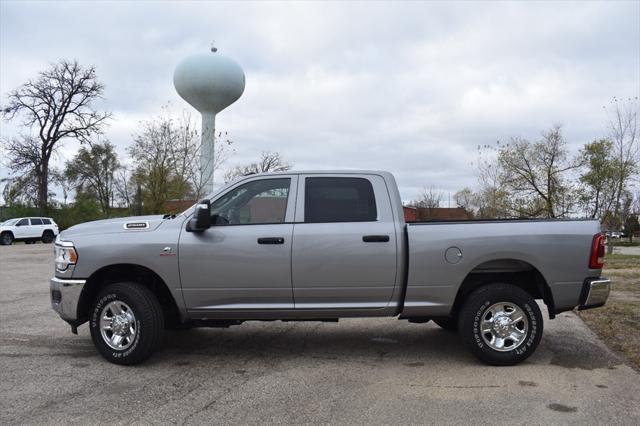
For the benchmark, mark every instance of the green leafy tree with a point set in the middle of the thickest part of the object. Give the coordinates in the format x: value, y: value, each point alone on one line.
x: 94, y: 169
x: 599, y: 179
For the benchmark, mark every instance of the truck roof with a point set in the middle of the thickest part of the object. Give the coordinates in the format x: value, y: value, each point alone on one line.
x: 320, y: 172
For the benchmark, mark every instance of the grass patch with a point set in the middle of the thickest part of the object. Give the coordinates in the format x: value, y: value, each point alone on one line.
x: 618, y: 322
x: 626, y: 244
x: 622, y: 261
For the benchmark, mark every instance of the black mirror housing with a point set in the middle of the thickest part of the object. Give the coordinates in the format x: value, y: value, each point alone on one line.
x: 201, y: 220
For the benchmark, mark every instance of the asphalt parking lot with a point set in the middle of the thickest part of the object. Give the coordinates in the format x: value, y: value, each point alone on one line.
x: 360, y: 371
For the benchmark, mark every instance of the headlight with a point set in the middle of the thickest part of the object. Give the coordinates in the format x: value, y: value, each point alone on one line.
x: 65, y: 255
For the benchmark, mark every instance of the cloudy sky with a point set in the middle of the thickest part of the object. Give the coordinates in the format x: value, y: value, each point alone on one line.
x: 412, y: 88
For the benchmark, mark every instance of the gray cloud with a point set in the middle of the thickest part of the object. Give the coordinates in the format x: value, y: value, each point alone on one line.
x: 408, y: 87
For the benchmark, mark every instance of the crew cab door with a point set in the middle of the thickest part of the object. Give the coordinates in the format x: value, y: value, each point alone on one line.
x: 243, y: 261
x: 344, y: 243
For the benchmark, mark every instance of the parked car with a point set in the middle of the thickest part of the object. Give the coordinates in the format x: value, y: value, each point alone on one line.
x: 322, y: 246
x: 29, y: 230
x: 613, y: 234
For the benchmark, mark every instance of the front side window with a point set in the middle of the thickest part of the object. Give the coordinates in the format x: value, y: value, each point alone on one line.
x: 36, y: 221
x: 23, y: 222
x: 259, y: 201
x: 46, y: 221
x: 333, y: 199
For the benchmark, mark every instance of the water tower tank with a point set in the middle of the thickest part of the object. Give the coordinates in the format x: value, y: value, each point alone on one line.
x: 210, y: 83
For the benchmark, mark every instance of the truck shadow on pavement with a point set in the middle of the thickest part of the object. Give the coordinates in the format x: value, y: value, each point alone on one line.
x: 292, y: 341
x: 411, y: 346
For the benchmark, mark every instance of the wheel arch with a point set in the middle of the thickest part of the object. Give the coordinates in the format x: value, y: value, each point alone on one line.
x: 513, y: 271
x: 128, y: 272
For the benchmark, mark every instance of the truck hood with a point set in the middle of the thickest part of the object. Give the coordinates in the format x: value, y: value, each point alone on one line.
x: 114, y: 226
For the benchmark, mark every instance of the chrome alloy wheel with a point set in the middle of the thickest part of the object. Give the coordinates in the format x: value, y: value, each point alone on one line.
x: 504, y: 326
x: 118, y: 325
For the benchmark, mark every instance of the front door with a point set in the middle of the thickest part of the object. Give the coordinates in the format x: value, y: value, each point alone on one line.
x: 344, y: 244
x: 21, y: 229
x: 242, y: 264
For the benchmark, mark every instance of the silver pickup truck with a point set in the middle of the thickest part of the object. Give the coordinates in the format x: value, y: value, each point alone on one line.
x: 322, y: 246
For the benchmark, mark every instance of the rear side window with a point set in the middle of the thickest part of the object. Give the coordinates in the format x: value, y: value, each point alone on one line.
x: 23, y: 222
x: 46, y: 221
x: 36, y: 221
x: 333, y: 199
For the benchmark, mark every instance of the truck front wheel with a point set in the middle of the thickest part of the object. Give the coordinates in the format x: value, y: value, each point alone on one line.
x: 127, y: 323
x: 501, y: 324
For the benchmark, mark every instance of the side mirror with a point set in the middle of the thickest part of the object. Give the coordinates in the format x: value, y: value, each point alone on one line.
x: 201, y: 220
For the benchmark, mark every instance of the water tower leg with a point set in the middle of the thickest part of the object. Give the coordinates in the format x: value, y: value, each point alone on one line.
x: 207, y: 151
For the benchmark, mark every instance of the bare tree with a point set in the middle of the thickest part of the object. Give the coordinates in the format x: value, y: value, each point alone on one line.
x: 125, y: 187
x: 186, y: 156
x: 20, y: 190
x: 166, y: 154
x: 623, y: 127
x: 535, y: 174
x: 56, y: 105
x: 466, y: 199
x: 269, y: 162
x: 492, y: 199
x: 152, y: 152
x: 428, y: 198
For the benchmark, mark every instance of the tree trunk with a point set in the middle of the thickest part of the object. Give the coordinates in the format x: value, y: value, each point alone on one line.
x: 43, y: 186
x: 609, y: 245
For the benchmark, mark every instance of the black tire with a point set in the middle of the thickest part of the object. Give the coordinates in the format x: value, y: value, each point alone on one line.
x: 149, y: 322
x: 449, y: 324
x: 476, y: 309
x: 6, y: 239
x: 48, y: 237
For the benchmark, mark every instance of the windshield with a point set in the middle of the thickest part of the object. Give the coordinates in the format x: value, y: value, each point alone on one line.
x: 10, y: 222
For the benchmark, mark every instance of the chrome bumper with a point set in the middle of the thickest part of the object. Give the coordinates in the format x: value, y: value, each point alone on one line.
x: 595, y: 293
x: 65, y: 295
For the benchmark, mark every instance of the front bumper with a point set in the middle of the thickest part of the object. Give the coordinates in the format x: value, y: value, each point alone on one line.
x: 594, y: 293
x: 65, y: 294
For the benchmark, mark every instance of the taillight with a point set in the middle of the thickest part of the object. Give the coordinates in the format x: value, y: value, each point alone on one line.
x: 596, y: 261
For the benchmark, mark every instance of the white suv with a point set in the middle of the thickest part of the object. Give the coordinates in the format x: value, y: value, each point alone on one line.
x: 29, y: 230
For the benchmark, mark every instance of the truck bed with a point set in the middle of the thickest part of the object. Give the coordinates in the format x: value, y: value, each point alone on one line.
x: 442, y: 254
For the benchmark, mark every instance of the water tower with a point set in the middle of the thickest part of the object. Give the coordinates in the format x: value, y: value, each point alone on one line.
x: 210, y: 82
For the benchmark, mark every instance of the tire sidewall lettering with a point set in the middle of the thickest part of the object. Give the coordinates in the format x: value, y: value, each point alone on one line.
x: 476, y: 324
x: 532, y: 332
x: 107, y: 298
x: 95, y: 321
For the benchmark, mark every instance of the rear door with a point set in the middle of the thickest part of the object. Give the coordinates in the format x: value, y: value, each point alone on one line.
x: 37, y: 228
x: 344, y: 243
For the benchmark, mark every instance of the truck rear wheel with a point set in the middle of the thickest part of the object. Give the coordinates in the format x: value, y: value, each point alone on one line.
x: 48, y: 237
x: 501, y: 324
x: 127, y: 323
